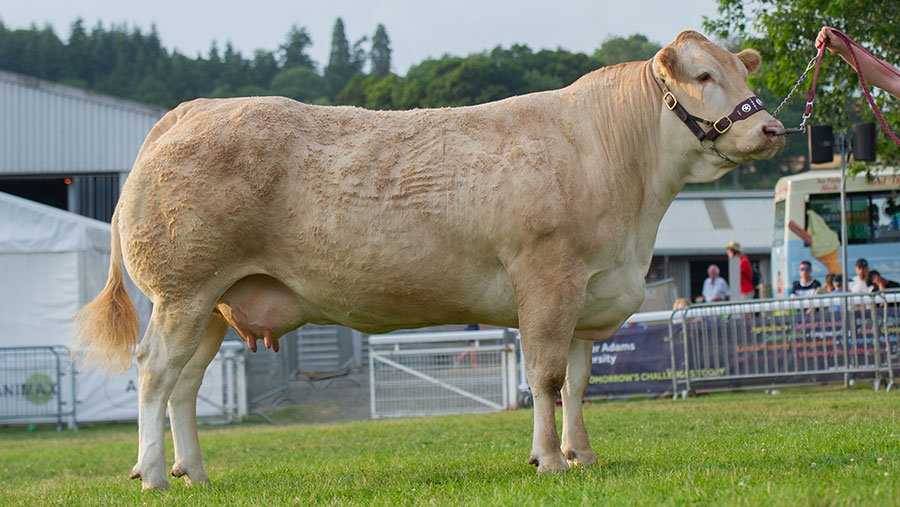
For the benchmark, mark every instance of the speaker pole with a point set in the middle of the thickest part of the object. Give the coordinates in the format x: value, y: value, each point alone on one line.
x: 843, y: 142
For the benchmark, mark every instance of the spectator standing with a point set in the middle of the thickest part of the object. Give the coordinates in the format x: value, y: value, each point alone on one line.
x: 837, y: 284
x: 829, y: 285
x: 715, y: 288
x: 879, y: 282
x: 859, y: 284
x: 806, y: 285
x: 747, y: 289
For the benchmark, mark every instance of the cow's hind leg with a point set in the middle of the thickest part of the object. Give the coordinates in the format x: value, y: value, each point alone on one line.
x: 183, y: 404
x: 549, y: 302
x: 575, y: 445
x: 169, y: 343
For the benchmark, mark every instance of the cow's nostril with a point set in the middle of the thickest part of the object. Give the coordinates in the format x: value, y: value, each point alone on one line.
x: 773, y: 129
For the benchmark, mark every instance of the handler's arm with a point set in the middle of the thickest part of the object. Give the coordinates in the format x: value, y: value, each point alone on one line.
x: 874, y: 70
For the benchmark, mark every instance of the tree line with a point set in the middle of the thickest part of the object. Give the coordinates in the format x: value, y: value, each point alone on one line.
x: 133, y: 64
x: 130, y: 63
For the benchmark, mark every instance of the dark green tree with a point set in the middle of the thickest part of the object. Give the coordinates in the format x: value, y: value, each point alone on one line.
x: 342, y: 62
x: 263, y: 68
x: 235, y: 69
x: 36, y: 52
x: 300, y: 83
x: 153, y: 90
x: 211, y: 67
x: 380, y: 56
x: 184, y: 78
x: 294, y: 50
x: 122, y: 77
x: 79, y: 56
x: 414, y: 91
x: 563, y: 66
x: 633, y: 48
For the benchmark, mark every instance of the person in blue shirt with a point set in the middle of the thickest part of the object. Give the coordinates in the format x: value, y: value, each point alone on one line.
x: 838, y: 283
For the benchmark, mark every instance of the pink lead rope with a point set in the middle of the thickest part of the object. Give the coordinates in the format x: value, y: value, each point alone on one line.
x: 812, y: 88
x: 850, y: 45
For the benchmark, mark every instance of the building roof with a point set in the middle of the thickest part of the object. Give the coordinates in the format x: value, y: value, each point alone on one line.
x: 49, y: 128
x: 702, y: 223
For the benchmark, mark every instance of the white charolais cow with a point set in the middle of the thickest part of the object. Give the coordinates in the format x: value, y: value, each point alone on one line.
x: 537, y: 212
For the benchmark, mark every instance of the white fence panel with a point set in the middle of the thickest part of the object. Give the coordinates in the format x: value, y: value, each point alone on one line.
x: 423, y: 374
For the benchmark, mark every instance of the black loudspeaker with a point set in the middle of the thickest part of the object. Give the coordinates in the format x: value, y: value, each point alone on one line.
x: 821, y: 144
x: 864, y: 141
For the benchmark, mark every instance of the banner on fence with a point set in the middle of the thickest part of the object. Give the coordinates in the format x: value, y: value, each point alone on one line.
x: 28, y: 391
x: 788, y: 346
x: 637, y: 359
x: 111, y: 397
x: 35, y: 385
x: 744, y: 350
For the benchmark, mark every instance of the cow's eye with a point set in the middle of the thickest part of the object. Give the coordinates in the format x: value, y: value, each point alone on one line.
x: 702, y: 78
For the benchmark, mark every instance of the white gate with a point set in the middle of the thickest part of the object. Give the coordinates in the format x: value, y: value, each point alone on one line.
x: 421, y: 374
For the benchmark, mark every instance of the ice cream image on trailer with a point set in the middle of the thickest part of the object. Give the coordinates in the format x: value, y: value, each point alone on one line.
x: 823, y: 242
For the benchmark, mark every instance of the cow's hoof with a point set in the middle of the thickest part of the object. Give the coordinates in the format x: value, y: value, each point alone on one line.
x: 147, y: 481
x: 549, y: 464
x: 157, y: 485
x: 196, y: 477
x: 581, y: 458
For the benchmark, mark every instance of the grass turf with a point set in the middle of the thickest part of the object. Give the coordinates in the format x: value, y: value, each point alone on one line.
x: 824, y: 446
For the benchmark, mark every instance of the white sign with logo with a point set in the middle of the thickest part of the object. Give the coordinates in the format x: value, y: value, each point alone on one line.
x: 103, y: 397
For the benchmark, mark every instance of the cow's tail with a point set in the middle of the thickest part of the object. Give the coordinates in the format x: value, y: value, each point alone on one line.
x: 107, y: 328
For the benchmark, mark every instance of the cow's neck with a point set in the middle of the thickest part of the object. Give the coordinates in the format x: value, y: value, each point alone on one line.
x: 650, y: 155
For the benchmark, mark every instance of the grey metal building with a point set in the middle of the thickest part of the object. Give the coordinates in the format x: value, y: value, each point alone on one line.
x: 67, y: 147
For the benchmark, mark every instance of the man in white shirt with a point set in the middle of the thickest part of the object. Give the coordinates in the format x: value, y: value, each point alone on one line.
x: 806, y: 285
x: 859, y: 284
x: 715, y: 288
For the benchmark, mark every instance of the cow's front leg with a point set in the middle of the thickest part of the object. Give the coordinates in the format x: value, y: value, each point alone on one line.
x: 575, y: 445
x: 183, y: 405
x: 549, y: 302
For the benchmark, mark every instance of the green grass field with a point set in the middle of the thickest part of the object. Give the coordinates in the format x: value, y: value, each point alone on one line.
x: 825, y: 446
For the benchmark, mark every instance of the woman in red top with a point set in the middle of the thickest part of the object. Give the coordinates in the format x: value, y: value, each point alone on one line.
x: 747, y: 290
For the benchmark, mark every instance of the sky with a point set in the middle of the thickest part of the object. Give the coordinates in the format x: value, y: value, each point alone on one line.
x: 418, y: 29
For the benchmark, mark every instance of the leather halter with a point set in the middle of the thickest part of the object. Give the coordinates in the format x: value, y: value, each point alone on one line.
x: 742, y: 111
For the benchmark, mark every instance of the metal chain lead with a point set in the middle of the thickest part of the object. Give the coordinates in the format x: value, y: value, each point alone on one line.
x: 809, y: 66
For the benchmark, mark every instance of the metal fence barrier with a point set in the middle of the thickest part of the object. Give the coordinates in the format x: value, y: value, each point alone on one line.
x: 421, y: 374
x: 37, y: 384
x: 793, y: 340
x: 230, y: 403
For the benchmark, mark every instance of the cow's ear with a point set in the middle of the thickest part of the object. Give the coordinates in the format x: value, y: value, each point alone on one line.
x: 664, y: 63
x: 750, y: 58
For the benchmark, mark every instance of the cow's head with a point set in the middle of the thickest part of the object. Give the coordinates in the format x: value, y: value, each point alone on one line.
x: 709, y: 82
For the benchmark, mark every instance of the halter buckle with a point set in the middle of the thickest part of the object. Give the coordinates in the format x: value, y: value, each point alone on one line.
x: 723, y: 130
x: 670, y: 100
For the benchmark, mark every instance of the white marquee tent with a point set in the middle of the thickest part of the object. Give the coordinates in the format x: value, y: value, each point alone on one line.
x: 52, y: 262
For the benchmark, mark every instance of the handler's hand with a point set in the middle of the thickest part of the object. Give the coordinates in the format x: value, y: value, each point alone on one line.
x: 834, y: 43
